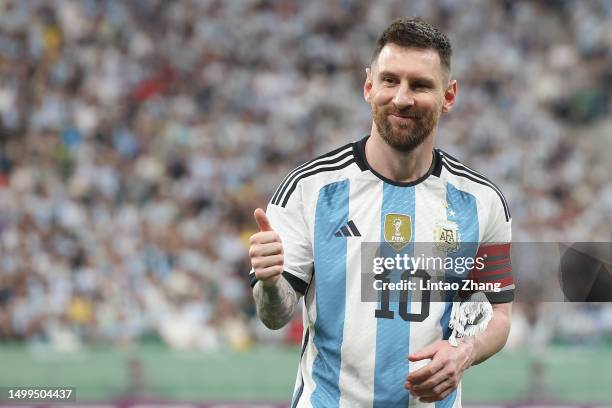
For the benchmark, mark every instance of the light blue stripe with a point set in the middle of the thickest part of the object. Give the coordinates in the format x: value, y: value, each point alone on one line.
x: 463, y: 211
x: 330, y: 286
x: 393, y: 335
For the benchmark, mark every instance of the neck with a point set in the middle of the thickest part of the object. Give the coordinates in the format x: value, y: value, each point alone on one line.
x: 403, y: 167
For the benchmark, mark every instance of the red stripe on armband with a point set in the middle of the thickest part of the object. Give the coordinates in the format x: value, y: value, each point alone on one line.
x: 493, y: 265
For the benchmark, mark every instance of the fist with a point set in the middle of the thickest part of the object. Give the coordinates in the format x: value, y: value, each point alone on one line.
x: 266, y: 251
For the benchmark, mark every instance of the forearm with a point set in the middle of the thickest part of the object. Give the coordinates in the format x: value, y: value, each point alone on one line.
x: 275, y: 304
x: 493, y: 339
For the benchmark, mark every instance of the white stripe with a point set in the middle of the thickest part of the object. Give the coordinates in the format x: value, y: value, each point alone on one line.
x: 458, y: 399
x: 358, y: 356
x: 299, y: 168
x: 310, y: 353
x: 430, y: 196
x: 309, y: 316
x: 299, y: 379
x: 282, y: 198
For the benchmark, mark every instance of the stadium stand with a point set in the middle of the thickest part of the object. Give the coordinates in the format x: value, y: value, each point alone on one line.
x: 137, y: 137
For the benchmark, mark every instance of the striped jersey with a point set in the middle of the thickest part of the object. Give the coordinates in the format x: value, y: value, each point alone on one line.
x: 354, y: 352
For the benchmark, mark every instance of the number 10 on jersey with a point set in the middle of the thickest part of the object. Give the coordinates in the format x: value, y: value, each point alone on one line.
x: 384, y: 310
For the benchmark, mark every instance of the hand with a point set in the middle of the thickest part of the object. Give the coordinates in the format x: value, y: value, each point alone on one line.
x: 442, y: 374
x: 266, y: 251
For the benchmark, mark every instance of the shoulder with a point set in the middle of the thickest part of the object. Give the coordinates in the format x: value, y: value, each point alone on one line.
x: 327, y: 168
x: 472, y: 180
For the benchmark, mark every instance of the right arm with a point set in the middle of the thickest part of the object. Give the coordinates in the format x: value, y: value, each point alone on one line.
x: 275, y: 298
x: 275, y: 304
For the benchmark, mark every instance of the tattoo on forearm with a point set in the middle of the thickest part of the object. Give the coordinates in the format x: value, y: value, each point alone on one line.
x: 275, y: 304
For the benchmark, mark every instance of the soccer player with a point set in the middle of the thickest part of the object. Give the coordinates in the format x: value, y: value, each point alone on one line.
x: 391, y: 186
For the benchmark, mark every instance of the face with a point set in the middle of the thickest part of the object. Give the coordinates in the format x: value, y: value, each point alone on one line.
x: 408, y: 90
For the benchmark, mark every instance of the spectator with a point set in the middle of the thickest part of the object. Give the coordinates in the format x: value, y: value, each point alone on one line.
x: 136, y: 138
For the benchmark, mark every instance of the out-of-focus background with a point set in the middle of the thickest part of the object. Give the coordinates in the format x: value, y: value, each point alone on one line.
x: 137, y: 137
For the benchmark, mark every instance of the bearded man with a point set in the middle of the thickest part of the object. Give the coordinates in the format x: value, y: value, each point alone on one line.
x: 395, y: 188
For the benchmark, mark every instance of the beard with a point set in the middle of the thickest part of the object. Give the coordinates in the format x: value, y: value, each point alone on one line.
x: 405, y: 137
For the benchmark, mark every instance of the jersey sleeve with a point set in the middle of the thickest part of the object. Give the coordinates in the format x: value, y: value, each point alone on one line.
x: 494, y: 252
x: 290, y: 223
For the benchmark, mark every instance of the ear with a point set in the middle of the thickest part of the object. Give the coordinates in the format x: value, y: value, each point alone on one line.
x: 450, y: 96
x: 367, y: 86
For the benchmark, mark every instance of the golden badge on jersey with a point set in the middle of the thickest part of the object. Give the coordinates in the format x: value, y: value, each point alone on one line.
x: 446, y: 236
x: 398, y: 230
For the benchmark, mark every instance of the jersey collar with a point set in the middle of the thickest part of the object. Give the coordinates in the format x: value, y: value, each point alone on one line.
x: 360, y: 159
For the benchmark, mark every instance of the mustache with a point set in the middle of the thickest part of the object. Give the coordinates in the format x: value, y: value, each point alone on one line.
x: 412, y: 114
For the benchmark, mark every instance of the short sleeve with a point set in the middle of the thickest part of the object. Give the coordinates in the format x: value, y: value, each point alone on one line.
x: 290, y: 223
x: 498, y: 226
x: 494, y: 252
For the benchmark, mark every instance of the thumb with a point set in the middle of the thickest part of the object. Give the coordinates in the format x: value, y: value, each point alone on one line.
x: 262, y: 220
x: 425, y: 353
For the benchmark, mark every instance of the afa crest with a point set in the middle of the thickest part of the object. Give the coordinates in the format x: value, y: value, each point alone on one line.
x: 446, y: 236
x: 398, y: 230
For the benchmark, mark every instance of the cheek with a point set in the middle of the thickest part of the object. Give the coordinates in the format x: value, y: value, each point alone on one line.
x: 382, y: 97
x: 430, y: 103
x: 381, y: 93
x: 439, y: 102
x: 440, y: 106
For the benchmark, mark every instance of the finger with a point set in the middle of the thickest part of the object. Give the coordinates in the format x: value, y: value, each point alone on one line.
x: 265, y: 273
x: 264, y: 237
x: 437, y: 378
x: 425, y: 353
x: 262, y: 262
x: 272, y: 248
x: 445, y: 388
x: 424, y: 373
x: 447, y: 392
x: 439, y: 397
x: 435, y: 391
x: 262, y: 220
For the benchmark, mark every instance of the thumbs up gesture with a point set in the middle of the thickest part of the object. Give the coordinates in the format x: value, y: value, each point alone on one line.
x: 266, y: 251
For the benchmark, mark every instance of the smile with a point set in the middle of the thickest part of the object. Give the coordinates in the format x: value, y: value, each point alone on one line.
x: 400, y: 118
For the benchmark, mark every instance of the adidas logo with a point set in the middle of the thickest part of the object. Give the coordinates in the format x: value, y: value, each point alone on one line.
x: 348, y: 230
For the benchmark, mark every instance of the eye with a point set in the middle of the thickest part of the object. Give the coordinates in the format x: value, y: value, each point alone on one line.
x: 421, y: 86
x: 389, y: 80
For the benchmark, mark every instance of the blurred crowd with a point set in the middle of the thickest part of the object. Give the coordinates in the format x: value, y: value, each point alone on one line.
x: 137, y: 137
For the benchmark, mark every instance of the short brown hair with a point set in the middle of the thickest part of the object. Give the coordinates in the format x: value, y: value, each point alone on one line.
x: 414, y: 32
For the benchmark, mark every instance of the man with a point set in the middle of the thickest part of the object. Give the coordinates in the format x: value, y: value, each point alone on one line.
x: 392, y: 186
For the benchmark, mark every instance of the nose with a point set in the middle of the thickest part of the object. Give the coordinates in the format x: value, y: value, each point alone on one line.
x: 403, y: 97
